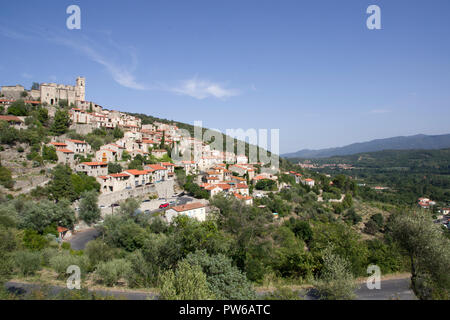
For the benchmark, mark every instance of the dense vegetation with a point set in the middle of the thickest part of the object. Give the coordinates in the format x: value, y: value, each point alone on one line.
x: 409, y: 174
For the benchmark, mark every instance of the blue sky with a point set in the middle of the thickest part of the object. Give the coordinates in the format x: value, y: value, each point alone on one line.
x: 309, y: 68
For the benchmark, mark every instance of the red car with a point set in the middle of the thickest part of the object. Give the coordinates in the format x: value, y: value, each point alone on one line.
x: 164, y: 205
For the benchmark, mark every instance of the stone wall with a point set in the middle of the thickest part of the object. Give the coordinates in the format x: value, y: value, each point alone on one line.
x: 163, y: 189
x: 83, y: 129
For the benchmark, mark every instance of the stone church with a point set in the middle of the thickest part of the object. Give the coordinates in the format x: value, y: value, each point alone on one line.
x: 50, y: 93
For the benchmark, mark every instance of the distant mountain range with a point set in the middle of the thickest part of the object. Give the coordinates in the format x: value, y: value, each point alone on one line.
x: 420, y: 141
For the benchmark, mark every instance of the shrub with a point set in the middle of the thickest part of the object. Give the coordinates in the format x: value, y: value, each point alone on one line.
x: 336, y: 281
x: 187, y: 282
x: 111, y: 272
x: 47, y: 254
x: 63, y: 260
x: 97, y: 251
x: 27, y: 262
x: 225, y: 280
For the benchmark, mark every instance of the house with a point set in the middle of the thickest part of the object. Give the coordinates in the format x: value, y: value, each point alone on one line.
x: 240, y: 170
x: 63, y: 232
x: 107, y: 155
x: 140, y: 177
x: 159, y: 153
x: 309, y: 182
x: 213, y: 189
x: 248, y: 200
x: 14, y: 121
x: 65, y: 156
x: 93, y: 169
x: 79, y: 116
x: 242, y: 188
x: 297, y: 176
x: 115, y: 182
x: 190, y: 167
x: 78, y: 146
x: 241, y: 159
x: 196, y: 210
x: 159, y: 172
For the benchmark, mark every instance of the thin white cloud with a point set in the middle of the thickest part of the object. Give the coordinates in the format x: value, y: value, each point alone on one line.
x: 380, y: 111
x: 121, y: 62
x: 201, y: 89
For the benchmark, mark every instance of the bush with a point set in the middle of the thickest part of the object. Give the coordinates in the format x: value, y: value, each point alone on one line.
x: 225, y: 280
x: 27, y: 262
x: 97, y: 251
x: 186, y: 283
x: 63, y: 260
x: 33, y: 240
x: 47, y: 254
x: 111, y: 272
x: 336, y: 281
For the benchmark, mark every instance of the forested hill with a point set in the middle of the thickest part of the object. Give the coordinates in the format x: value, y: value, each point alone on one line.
x: 437, y: 161
x: 409, y: 174
x: 419, y: 141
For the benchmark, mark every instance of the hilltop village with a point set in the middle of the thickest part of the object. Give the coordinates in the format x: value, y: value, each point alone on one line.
x: 138, y: 161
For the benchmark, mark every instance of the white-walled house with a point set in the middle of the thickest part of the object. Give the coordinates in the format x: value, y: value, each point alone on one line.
x: 65, y: 156
x: 93, y: 169
x: 196, y: 210
x: 78, y: 146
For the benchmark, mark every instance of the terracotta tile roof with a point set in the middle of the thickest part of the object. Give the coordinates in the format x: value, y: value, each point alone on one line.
x: 167, y: 164
x: 156, y: 167
x: 64, y: 150
x: 59, y: 144
x: 242, y: 186
x: 117, y: 175
x: 77, y: 141
x: 95, y: 163
x: 10, y: 118
x: 189, y: 206
x: 61, y: 229
x: 136, y: 172
x: 241, y: 197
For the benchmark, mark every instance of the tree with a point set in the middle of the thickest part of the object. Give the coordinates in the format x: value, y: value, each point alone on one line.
x: 49, y: 153
x: 89, y: 210
x: 61, y: 185
x: 60, y: 123
x: 428, y: 250
x: 117, y: 133
x: 38, y: 216
x: 129, y: 207
x: 336, y: 281
x: 6, y: 179
x: 18, y: 108
x: 186, y: 283
x: 97, y: 251
x: 114, y: 167
x: 225, y: 281
x: 8, y: 134
x: 110, y: 272
x: 35, y: 86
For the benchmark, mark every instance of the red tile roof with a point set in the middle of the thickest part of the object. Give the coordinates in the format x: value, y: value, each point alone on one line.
x: 65, y: 150
x: 77, y: 141
x: 189, y: 206
x: 95, y: 163
x: 117, y: 175
x: 10, y: 118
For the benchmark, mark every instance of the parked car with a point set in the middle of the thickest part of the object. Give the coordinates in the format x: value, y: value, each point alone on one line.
x: 163, y: 205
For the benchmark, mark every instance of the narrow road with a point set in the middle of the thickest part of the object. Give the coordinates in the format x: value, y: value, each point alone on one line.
x: 79, y: 240
x: 391, y: 289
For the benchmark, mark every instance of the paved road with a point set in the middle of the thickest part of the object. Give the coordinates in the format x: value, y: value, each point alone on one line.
x: 19, y: 288
x: 396, y: 289
x: 390, y: 289
x: 79, y: 240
